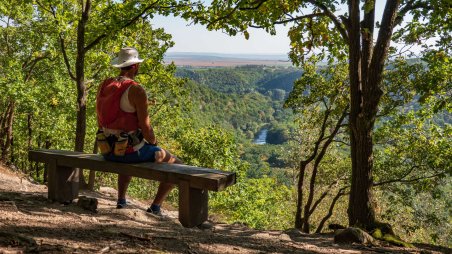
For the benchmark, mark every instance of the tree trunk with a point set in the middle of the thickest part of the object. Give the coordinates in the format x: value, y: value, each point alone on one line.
x: 298, y: 218
x: 4, y: 126
x: 80, y: 131
x: 307, y: 207
x: 29, y: 139
x: 361, y: 210
x: 366, y: 74
x: 9, y: 131
x: 12, y: 157
x: 3, y: 117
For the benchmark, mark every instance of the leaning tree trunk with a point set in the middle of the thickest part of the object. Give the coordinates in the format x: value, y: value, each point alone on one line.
x: 298, y: 215
x: 8, y: 131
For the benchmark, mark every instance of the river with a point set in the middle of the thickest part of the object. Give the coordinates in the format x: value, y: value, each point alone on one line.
x: 261, y: 137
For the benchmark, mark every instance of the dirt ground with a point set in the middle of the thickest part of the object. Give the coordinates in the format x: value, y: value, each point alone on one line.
x: 31, y: 224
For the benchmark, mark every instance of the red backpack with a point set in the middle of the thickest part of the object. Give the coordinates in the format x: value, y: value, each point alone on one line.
x: 109, y: 113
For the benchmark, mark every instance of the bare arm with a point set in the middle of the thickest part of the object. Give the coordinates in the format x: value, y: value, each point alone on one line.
x: 138, y: 98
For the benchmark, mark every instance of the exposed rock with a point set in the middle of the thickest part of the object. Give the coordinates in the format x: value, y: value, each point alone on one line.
x: 293, y: 232
x: 353, y: 235
x: 87, y: 203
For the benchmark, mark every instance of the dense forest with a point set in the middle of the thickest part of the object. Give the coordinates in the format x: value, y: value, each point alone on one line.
x: 357, y: 131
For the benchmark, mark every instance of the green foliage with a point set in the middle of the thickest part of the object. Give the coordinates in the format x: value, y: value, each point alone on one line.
x: 259, y: 203
x: 208, y: 147
x: 277, y: 134
x: 242, y: 79
x: 413, y: 151
x: 245, y: 113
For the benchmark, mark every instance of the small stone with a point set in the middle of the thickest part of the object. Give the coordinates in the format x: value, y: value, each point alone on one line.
x: 284, y: 237
x: 87, y: 203
x: 205, y: 225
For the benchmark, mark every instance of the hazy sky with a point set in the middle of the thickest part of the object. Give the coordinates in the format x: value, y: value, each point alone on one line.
x: 196, y: 38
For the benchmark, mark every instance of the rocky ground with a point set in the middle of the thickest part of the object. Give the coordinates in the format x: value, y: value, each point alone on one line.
x: 31, y: 224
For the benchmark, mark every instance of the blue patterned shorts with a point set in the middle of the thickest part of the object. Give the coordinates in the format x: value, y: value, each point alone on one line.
x: 145, y: 154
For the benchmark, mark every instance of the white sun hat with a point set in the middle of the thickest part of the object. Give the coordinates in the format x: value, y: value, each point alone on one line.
x: 126, y: 57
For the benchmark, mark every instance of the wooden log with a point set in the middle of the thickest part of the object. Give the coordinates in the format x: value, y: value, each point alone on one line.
x: 193, y: 209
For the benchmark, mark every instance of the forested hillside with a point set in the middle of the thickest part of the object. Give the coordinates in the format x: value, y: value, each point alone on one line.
x: 240, y: 98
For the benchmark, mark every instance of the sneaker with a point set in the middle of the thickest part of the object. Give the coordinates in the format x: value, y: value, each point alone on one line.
x: 121, y: 203
x: 155, y: 210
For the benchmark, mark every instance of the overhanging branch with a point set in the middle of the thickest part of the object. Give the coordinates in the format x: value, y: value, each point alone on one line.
x: 127, y: 24
x: 338, y: 24
x: 409, y: 6
x: 401, y: 180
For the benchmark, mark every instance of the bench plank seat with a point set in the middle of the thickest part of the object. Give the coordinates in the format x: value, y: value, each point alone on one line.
x: 193, y: 182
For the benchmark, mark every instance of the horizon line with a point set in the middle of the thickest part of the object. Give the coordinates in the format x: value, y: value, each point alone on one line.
x: 223, y: 53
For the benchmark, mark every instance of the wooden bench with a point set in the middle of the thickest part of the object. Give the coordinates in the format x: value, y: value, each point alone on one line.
x: 193, y: 182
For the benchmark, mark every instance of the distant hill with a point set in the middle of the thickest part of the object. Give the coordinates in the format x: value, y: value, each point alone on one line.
x: 243, y: 79
x: 284, y: 81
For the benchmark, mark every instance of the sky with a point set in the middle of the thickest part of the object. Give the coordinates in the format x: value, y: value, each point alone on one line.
x: 196, y: 38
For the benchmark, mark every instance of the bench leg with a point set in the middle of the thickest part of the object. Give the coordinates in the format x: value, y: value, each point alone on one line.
x: 192, y: 205
x: 63, y: 183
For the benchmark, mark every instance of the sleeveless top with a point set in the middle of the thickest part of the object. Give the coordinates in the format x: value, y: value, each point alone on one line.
x: 108, y: 105
x: 125, y: 103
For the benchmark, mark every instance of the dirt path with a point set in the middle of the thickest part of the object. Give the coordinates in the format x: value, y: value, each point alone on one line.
x: 31, y: 224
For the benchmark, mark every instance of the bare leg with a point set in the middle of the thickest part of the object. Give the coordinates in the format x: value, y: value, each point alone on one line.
x: 123, y: 184
x: 164, y: 188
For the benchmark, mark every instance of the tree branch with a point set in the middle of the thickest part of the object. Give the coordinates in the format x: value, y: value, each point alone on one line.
x: 367, y: 35
x: 341, y: 142
x: 333, y: 18
x: 403, y: 180
x: 52, y: 11
x: 308, y: 16
x: 331, y: 209
x: 32, y: 64
x: 258, y: 4
x: 409, y: 6
x: 380, y: 54
x: 324, y: 194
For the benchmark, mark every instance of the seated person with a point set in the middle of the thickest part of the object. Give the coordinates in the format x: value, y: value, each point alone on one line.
x: 123, y: 121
